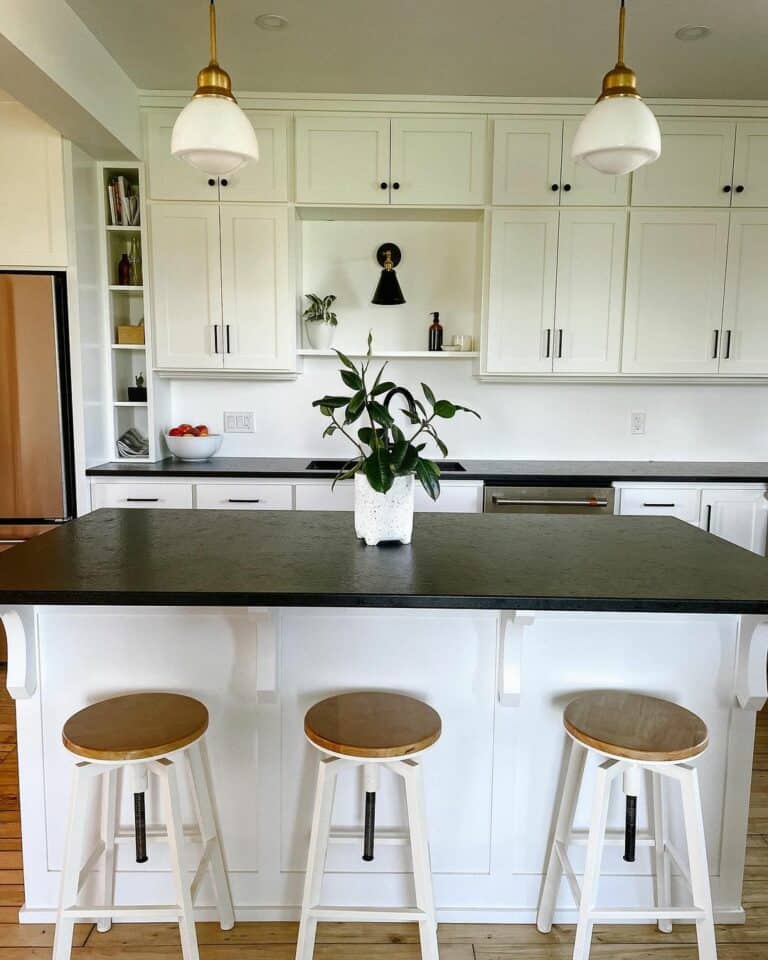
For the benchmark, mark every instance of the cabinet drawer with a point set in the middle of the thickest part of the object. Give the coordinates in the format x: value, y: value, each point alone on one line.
x: 244, y: 496
x: 661, y: 502
x: 319, y: 496
x: 142, y: 495
x: 454, y: 498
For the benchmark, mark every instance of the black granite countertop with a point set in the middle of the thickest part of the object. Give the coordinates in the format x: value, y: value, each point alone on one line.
x: 591, y: 472
x: 312, y: 559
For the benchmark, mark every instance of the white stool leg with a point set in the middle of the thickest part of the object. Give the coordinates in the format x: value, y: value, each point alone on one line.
x: 210, y: 834
x: 605, y: 774
x: 327, y: 773
x: 166, y: 771
x: 697, y: 858
x: 570, y: 796
x: 411, y: 772
x: 108, y: 829
x: 663, y: 872
x: 73, y: 860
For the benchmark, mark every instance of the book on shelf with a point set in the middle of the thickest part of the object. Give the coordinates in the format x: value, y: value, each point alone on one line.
x: 124, y: 206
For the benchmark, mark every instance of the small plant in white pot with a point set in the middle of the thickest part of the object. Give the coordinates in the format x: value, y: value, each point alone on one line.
x: 387, y: 462
x: 320, y: 321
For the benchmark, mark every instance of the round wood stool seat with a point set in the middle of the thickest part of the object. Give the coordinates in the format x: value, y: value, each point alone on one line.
x: 635, y: 726
x: 135, y: 727
x: 372, y: 725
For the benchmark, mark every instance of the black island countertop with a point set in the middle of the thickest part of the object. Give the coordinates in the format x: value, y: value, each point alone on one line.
x: 313, y: 559
x: 591, y: 472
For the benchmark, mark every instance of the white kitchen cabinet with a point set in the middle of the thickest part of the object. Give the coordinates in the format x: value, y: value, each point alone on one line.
x: 590, y: 290
x: 522, y: 291
x: 265, y: 180
x: 31, y: 191
x: 738, y: 514
x: 744, y: 342
x: 532, y: 166
x: 456, y: 496
x: 186, y: 285
x: 438, y: 160
x: 244, y: 495
x: 660, y: 500
x: 695, y: 167
x: 318, y: 495
x: 141, y: 495
x: 750, y: 165
x: 378, y: 161
x: 258, y: 330
x: 675, y: 284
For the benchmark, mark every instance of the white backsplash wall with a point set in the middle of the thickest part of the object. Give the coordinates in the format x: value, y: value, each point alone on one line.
x: 520, y: 421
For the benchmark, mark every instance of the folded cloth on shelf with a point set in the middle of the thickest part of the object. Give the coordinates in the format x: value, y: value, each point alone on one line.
x: 132, y: 444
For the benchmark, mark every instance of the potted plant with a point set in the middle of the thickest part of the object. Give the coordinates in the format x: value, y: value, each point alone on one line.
x: 320, y: 321
x: 387, y: 462
x: 138, y: 394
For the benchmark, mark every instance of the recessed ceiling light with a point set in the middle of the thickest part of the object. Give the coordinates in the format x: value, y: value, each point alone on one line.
x: 271, y: 21
x: 692, y: 32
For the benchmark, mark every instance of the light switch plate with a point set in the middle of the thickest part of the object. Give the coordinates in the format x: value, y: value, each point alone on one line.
x: 238, y: 422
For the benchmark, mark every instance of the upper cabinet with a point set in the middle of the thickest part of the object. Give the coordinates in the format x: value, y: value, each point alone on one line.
x: 377, y: 161
x: 532, y: 166
x: 262, y: 181
x: 706, y: 163
x: 31, y: 191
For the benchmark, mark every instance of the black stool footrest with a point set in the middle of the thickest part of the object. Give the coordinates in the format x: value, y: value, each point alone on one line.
x: 630, y: 831
x: 140, y: 820
x: 370, y: 826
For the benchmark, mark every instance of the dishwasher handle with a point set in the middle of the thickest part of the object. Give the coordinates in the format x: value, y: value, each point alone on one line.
x: 522, y: 501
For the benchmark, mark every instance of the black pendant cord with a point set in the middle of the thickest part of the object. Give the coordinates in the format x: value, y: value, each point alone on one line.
x: 140, y: 820
x: 630, y: 832
x: 370, y: 826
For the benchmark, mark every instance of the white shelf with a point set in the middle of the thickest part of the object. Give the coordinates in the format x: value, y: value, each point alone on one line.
x: 134, y: 459
x: 116, y: 228
x: 117, y: 288
x: 398, y: 354
x: 129, y: 403
x: 129, y: 346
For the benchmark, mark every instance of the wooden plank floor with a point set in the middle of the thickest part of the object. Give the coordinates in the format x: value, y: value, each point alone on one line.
x: 276, y: 941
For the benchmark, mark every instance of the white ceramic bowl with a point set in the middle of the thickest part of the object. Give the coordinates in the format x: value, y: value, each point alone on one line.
x: 194, y: 448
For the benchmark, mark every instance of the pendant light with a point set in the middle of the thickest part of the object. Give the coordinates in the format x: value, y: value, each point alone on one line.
x: 212, y: 133
x: 620, y: 133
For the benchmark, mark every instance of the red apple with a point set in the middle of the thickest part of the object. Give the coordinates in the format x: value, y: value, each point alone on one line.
x: 175, y: 432
x: 202, y: 430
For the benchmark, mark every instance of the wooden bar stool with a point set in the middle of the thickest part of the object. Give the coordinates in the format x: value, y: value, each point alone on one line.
x: 142, y: 734
x: 370, y: 730
x: 634, y: 734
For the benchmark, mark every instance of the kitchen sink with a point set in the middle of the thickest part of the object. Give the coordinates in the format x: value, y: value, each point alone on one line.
x: 446, y: 466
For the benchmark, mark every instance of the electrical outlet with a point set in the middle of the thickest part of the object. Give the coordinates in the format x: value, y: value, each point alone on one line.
x: 238, y: 422
x: 637, y: 424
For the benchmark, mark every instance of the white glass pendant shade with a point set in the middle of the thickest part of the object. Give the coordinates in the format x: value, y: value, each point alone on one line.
x: 214, y: 135
x: 617, y: 136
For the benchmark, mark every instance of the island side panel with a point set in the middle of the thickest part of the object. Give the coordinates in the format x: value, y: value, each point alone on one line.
x: 491, y: 780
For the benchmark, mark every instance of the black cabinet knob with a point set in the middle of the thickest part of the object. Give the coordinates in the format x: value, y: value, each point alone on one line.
x: 566, y: 187
x: 211, y: 182
x: 383, y: 184
x: 224, y: 182
x: 395, y: 185
x: 727, y: 188
x: 555, y: 187
x: 740, y: 188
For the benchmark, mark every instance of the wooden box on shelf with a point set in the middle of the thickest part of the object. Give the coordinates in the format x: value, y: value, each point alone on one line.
x: 130, y: 334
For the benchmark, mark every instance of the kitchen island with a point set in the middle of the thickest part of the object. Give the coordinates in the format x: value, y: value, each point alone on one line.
x: 497, y: 621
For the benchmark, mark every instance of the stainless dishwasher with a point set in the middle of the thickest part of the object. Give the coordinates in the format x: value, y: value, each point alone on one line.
x: 554, y: 500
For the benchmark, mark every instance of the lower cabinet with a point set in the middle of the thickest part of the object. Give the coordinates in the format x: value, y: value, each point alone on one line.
x: 142, y: 495
x: 455, y: 497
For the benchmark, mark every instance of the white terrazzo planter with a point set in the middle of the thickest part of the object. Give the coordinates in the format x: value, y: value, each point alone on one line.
x: 320, y: 335
x: 384, y: 516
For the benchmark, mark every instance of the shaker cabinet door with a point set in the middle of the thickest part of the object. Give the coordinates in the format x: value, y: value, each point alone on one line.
x: 258, y: 321
x: 526, y: 162
x: 736, y: 514
x: 584, y: 186
x: 675, y: 283
x: 186, y: 285
x: 169, y: 177
x: 522, y: 291
x: 744, y: 345
x: 438, y: 160
x: 265, y: 180
x: 342, y: 159
x: 750, y: 165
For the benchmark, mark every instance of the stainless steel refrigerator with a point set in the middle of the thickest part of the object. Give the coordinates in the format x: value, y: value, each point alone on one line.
x: 36, y: 453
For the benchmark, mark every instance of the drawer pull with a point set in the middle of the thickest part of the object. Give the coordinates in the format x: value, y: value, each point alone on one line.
x: 142, y: 499
x: 659, y: 504
x: 523, y: 502
x: 239, y: 500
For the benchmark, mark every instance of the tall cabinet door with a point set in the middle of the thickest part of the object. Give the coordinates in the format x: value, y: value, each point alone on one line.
x: 522, y: 291
x: 738, y: 514
x: 259, y: 326
x: 439, y: 160
x: 186, y: 285
x: 744, y: 348
x: 750, y: 165
x: 590, y: 290
x: 342, y: 159
x: 526, y: 162
x: 584, y: 186
x: 675, y: 284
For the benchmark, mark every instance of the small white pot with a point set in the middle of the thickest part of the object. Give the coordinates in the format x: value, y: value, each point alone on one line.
x: 319, y: 334
x: 384, y: 516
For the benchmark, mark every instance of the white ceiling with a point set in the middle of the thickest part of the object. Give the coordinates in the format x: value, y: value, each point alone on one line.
x: 524, y: 48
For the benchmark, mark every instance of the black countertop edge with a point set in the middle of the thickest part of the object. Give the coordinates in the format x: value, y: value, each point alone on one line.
x: 384, y: 602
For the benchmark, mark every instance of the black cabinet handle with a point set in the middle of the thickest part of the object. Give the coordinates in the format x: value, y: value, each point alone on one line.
x: 383, y: 184
x: 215, y: 338
x: 740, y: 188
x: 238, y: 500
x: 727, y: 345
x: 709, y: 518
x: 211, y: 182
x: 142, y: 499
x: 548, y: 351
x: 226, y: 330
x: 560, y: 343
x: 717, y: 341
x: 659, y: 504
x: 224, y: 182
x: 727, y: 188
x: 395, y: 185
x: 555, y: 187
x: 566, y: 187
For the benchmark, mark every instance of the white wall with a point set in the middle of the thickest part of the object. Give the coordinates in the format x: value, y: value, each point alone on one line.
x: 521, y: 421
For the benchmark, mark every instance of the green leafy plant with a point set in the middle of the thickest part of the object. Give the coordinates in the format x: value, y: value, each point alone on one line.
x: 384, y: 452
x: 319, y: 309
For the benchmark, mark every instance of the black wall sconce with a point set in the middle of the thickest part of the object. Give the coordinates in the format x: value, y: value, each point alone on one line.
x: 388, y: 292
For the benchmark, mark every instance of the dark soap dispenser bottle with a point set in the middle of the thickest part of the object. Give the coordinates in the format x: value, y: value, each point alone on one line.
x: 435, y: 333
